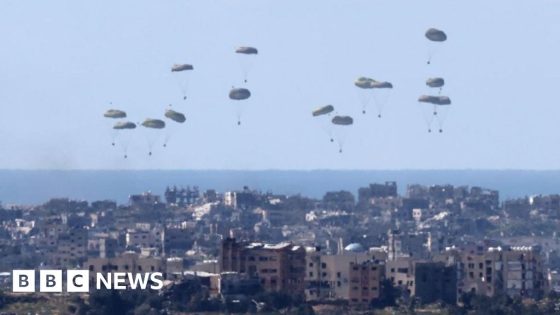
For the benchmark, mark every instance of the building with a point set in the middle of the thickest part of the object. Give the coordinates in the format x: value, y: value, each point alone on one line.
x: 401, y: 273
x: 511, y: 270
x: 177, y: 240
x: 65, y: 246
x: 434, y: 281
x: 143, y: 238
x: 129, y: 262
x: 279, y: 267
x: 410, y: 244
x: 365, y: 283
x: 328, y: 277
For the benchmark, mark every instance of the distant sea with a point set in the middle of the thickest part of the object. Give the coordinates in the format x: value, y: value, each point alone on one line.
x: 37, y: 186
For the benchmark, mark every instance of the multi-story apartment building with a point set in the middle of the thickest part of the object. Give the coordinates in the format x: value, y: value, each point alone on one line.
x: 514, y: 270
x: 401, y: 273
x: 407, y: 244
x: 279, y: 267
x: 365, y: 283
x: 328, y: 277
x: 435, y: 281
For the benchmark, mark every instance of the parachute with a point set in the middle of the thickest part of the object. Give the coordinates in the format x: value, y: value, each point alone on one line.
x: 341, y: 123
x: 246, y: 59
x: 382, y: 85
x: 435, y: 37
x: 123, y: 129
x: 364, y: 93
x: 175, y: 116
x: 121, y: 125
x: 152, y: 135
x: 364, y: 82
x: 438, y: 111
x: 182, y: 75
x: 247, y: 50
x: 154, y: 123
x: 325, y: 124
x: 436, y: 100
x: 323, y: 110
x: 435, y: 82
x: 239, y: 94
x: 343, y: 120
x: 381, y: 95
x: 181, y: 67
x: 115, y: 113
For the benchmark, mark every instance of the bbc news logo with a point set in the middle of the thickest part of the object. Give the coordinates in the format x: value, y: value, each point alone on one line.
x: 23, y: 281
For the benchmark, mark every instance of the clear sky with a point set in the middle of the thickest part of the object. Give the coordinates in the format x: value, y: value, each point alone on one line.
x: 63, y: 62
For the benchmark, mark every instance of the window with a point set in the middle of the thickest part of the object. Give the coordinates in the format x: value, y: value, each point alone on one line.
x: 323, y: 265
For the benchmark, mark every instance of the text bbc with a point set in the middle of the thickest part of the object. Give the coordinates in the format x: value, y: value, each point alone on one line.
x: 79, y: 281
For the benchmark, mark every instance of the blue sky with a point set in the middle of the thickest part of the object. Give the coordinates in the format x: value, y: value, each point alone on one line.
x: 63, y: 62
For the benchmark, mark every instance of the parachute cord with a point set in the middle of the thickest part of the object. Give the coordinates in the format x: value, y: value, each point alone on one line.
x: 365, y: 96
x: 442, y: 117
x: 380, y: 101
x: 428, y: 116
x: 166, y: 140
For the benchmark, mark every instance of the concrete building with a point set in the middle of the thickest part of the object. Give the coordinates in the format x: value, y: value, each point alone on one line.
x: 512, y: 270
x: 127, y: 262
x: 143, y: 238
x: 177, y: 240
x: 401, y: 273
x: 66, y: 247
x: 279, y: 267
x: 410, y: 244
x: 365, y: 283
x: 434, y: 281
x: 328, y: 277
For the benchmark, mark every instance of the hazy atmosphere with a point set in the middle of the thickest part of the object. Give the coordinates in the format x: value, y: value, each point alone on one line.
x: 64, y: 62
